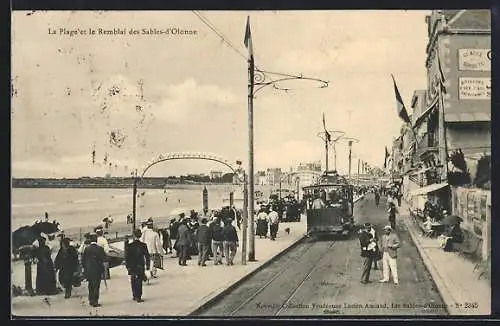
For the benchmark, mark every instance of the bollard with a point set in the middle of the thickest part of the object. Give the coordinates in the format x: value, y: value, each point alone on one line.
x: 205, y: 199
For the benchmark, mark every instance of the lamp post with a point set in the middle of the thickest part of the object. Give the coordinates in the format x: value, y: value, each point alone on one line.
x: 257, y: 77
x: 350, y: 141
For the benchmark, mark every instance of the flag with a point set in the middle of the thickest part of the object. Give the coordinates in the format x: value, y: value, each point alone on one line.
x: 248, y: 39
x: 385, y: 157
x: 399, y: 102
x: 442, y: 80
x: 327, y: 134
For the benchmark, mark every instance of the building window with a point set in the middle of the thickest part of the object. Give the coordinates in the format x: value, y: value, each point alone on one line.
x: 455, y: 201
x: 483, y: 207
x: 471, y: 206
x: 430, y: 139
x: 463, y: 204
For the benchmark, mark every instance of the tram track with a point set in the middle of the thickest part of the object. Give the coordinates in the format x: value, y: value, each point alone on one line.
x: 322, y: 278
x: 283, y: 278
x: 306, y: 277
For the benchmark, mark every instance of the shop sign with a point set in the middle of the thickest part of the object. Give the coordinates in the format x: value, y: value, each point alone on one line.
x: 474, y: 88
x: 474, y: 59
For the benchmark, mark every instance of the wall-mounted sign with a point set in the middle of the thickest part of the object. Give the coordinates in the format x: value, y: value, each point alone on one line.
x: 474, y: 59
x: 473, y: 88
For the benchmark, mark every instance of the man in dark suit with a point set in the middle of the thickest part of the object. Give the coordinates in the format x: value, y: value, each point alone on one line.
x: 93, y: 263
x: 374, y: 238
x: 203, y: 239
x: 137, y: 259
x: 230, y: 243
x: 368, y: 245
x: 392, y: 215
x: 184, y: 240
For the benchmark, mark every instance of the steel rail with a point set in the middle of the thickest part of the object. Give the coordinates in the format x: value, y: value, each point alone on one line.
x: 297, y: 288
x: 262, y: 288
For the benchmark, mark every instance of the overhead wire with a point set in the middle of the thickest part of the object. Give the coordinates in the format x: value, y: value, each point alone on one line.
x: 214, y: 29
x: 218, y: 33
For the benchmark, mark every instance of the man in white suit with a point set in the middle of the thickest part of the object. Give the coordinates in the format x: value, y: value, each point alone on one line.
x: 155, y: 248
x: 390, y: 245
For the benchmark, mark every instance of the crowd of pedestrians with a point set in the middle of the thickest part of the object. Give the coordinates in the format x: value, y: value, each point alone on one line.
x: 267, y: 221
x: 212, y: 237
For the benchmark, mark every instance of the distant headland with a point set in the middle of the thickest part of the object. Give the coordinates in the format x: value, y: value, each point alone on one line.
x: 116, y: 182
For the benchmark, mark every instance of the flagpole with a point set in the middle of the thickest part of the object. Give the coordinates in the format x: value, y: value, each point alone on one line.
x: 442, y: 128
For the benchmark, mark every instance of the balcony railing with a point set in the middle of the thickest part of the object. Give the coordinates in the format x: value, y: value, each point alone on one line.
x: 428, y: 144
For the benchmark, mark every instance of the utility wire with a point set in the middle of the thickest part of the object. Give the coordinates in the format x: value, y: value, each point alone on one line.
x: 225, y: 40
x: 214, y: 29
x: 218, y: 33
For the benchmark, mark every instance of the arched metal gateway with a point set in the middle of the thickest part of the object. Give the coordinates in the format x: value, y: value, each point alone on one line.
x: 235, y: 168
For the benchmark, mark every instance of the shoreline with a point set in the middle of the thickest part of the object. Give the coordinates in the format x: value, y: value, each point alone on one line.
x: 124, y: 186
x: 158, y: 187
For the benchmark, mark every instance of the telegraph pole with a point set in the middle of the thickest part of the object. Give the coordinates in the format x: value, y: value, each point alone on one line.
x: 326, y: 153
x: 350, y: 141
x: 245, y: 221
x: 334, y: 157
x: 358, y: 172
x: 134, y: 201
x: 251, y: 192
x: 350, y: 153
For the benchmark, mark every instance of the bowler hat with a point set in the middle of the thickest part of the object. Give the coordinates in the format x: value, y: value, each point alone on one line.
x: 137, y: 233
x: 388, y: 227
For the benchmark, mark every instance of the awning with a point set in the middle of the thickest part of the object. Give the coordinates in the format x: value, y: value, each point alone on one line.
x: 467, y: 117
x: 427, y: 189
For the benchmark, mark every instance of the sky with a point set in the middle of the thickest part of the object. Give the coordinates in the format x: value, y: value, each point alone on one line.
x: 131, y: 98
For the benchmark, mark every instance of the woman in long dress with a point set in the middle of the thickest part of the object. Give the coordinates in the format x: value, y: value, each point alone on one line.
x: 262, y: 223
x: 45, y: 273
x: 66, y: 263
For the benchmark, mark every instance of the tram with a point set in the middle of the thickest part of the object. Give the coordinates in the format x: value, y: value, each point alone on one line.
x: 335, y: 214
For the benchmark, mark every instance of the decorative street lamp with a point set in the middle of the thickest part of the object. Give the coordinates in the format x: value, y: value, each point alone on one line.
x: 350, y: 141
x: 260, y: 78
x: 335, y: 135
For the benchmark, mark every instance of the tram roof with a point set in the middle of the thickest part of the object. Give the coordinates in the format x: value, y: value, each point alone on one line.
x: 326, y: 185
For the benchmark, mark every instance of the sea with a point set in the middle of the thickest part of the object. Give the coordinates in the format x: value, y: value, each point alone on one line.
x: 73, y: 207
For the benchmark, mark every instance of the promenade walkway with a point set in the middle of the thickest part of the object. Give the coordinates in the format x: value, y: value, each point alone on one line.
x: 176, y: 292
x: 453, y: 275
